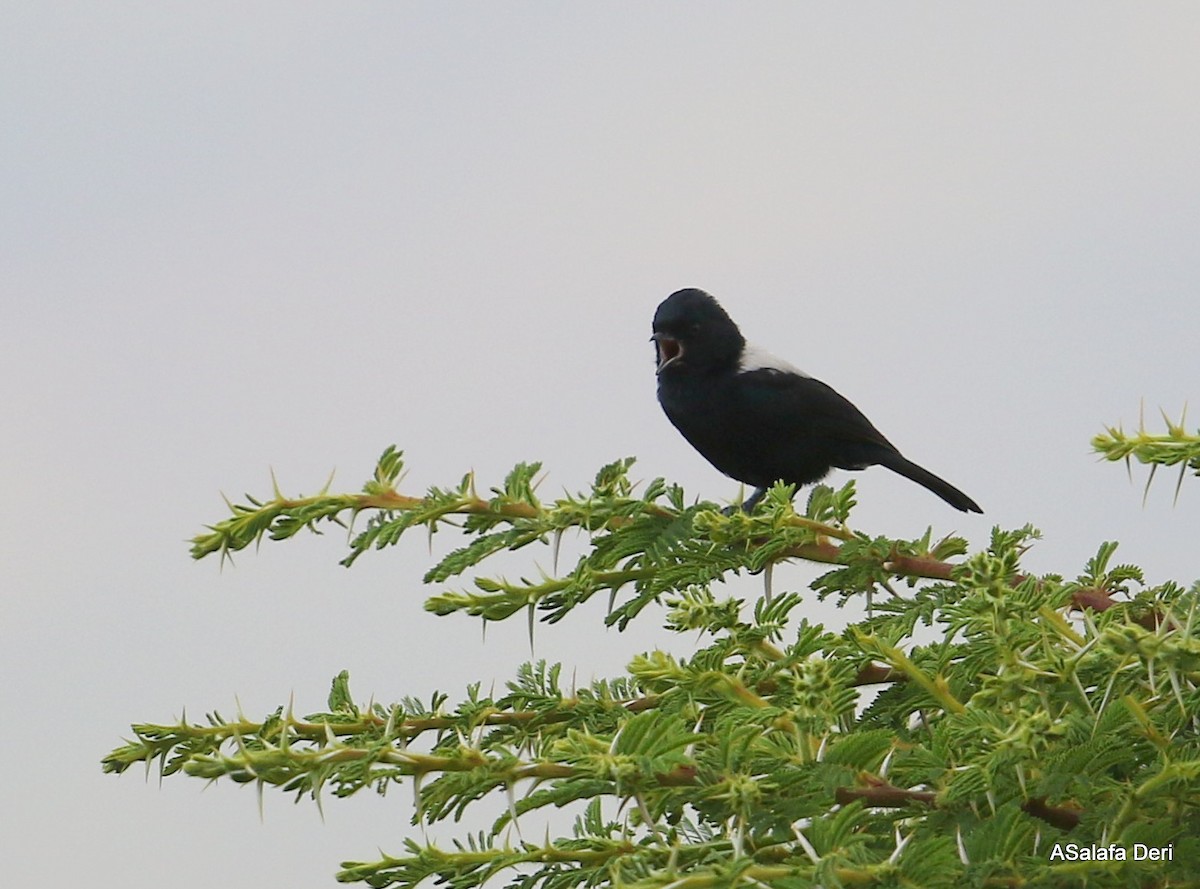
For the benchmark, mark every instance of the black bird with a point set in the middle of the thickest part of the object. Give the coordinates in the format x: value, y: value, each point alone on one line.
x: 757, y: 418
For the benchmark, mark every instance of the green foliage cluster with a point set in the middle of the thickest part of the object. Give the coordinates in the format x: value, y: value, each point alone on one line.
x: 1175, y: 447
x: 1048, y: 712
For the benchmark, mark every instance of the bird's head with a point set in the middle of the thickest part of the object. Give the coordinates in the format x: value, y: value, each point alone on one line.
x: 692, y: 330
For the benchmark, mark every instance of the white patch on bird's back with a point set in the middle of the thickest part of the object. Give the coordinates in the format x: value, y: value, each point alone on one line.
x: 754, y: 358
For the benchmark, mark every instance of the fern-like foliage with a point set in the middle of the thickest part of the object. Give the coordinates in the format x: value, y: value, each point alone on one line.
x: 1049, y: 715
x: 1175, y: 447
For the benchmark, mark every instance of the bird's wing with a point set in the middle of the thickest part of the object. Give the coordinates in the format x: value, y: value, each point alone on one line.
x: 789, y: 404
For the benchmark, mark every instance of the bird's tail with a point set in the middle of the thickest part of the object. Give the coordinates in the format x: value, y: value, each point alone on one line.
x: 927, y: 479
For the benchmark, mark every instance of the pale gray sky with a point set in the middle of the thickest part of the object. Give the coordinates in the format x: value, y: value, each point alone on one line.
x: 241, y: 236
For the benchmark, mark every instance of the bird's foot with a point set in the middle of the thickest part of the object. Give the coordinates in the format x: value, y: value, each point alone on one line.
x: 747, y: 505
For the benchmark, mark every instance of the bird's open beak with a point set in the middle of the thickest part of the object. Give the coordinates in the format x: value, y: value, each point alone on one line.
x: 668, y: 349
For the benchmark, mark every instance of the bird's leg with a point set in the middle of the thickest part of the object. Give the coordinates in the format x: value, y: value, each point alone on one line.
x: 754, y: 500
x: 748, y: 504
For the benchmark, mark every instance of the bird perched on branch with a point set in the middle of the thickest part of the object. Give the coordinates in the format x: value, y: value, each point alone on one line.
x: 757, y: 418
